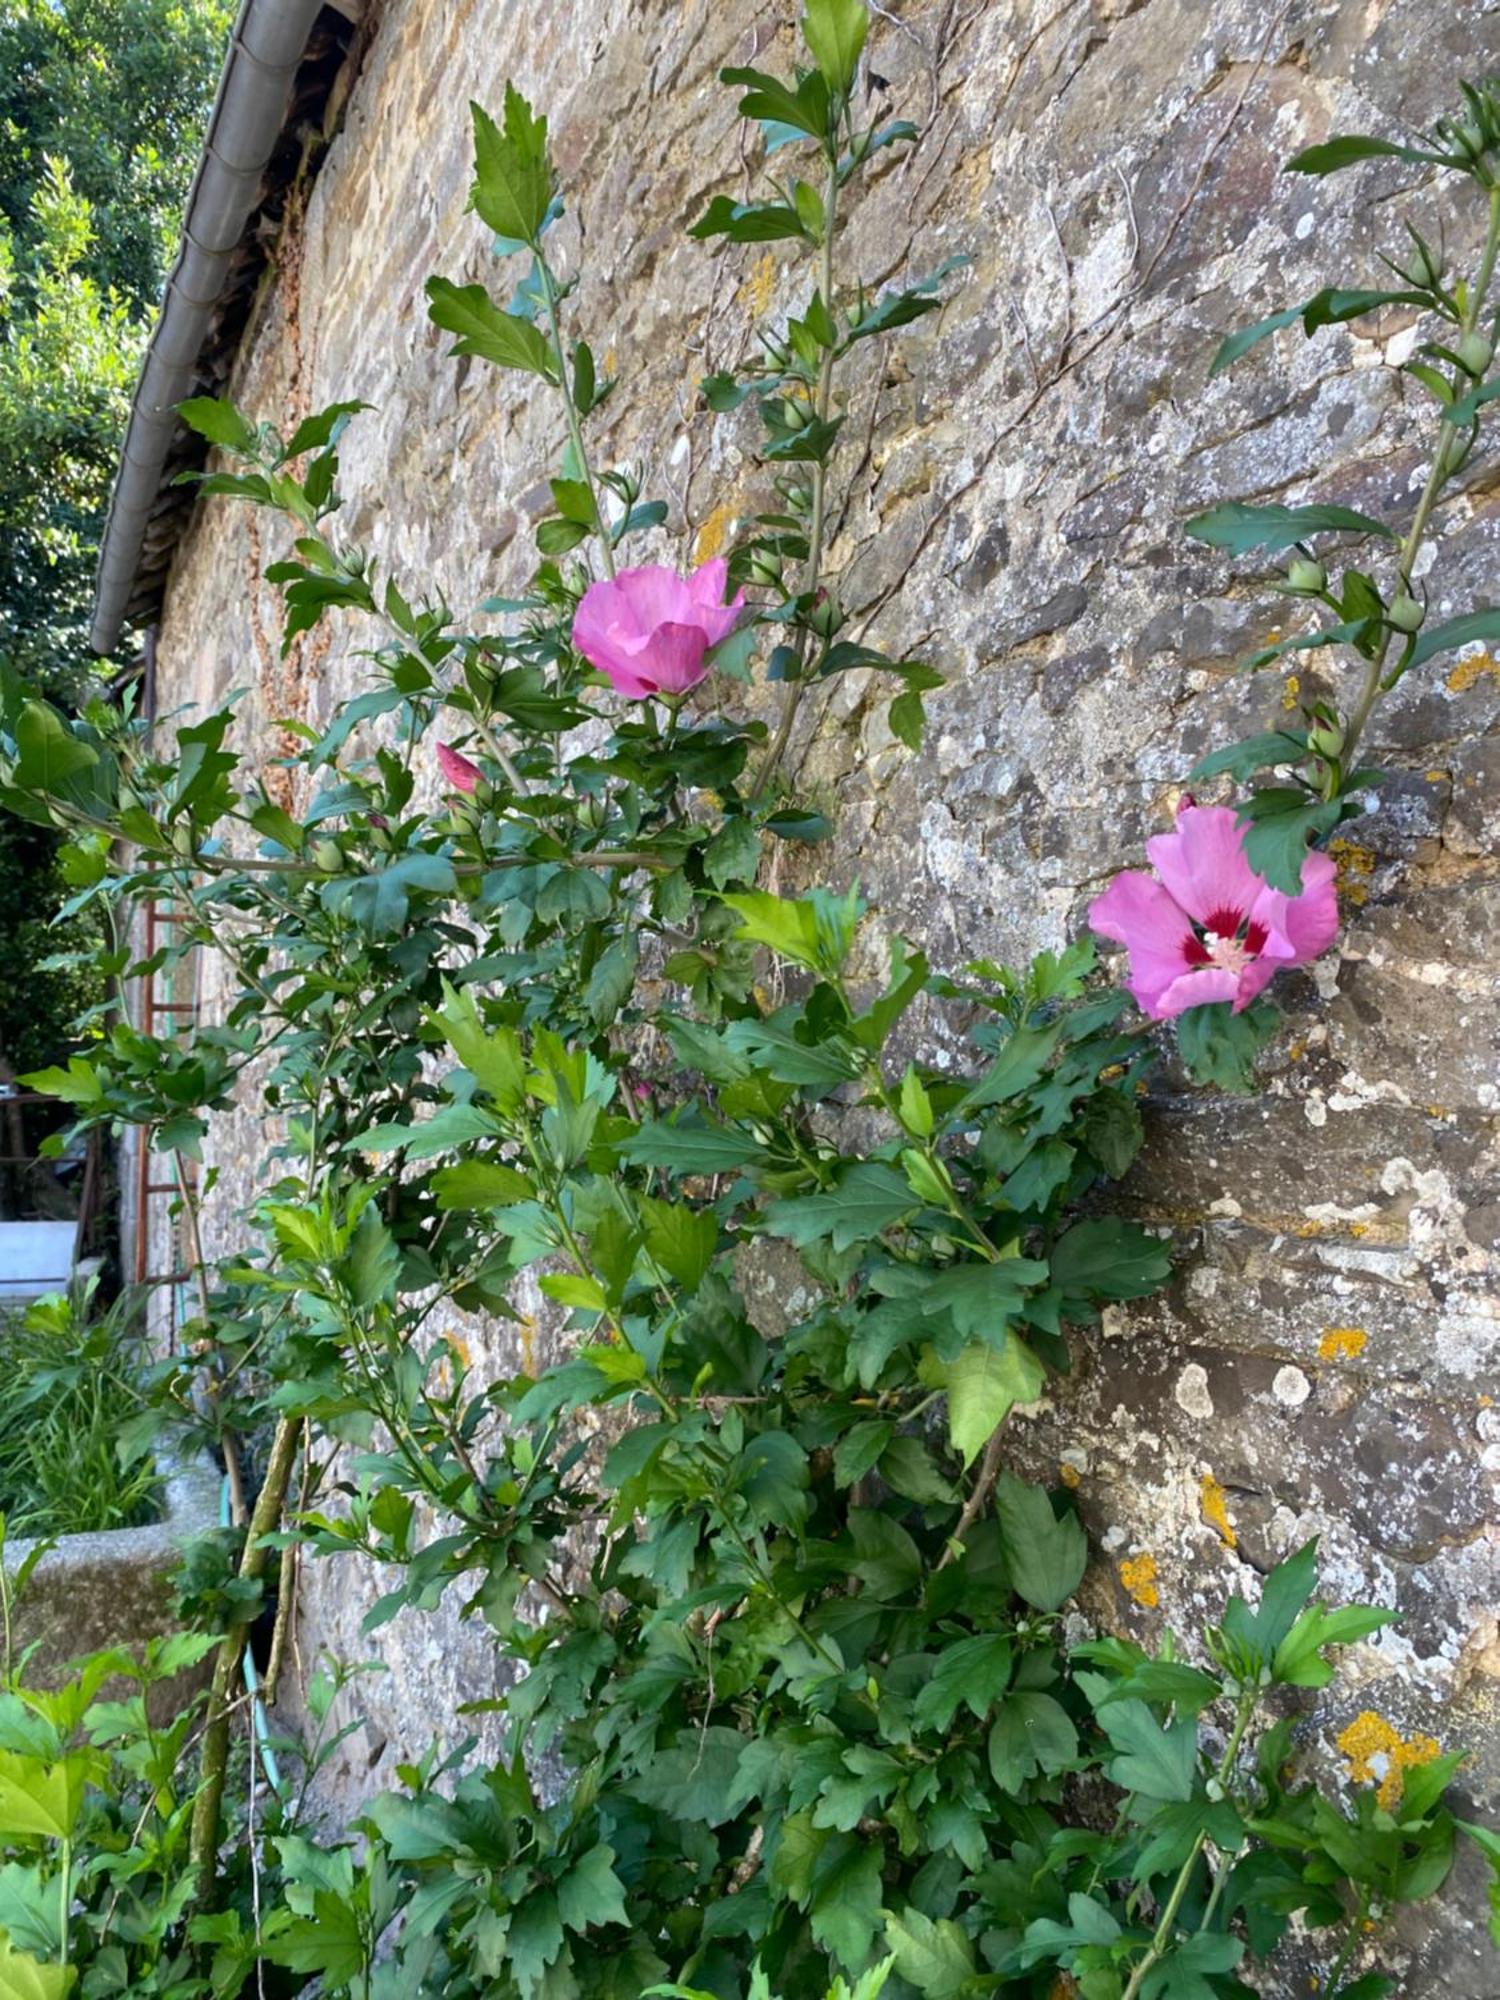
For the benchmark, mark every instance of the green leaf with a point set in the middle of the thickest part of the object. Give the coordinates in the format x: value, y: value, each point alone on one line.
x: 692, y: 1778
x: 783, y: 111
x: 1046, y: 1557
x: 533, y: 1939
x: 815, y: 930
x: 871, y: 1197
x: 1031, y: 1733
x: 329, y: 1941
x: 479, y: 1184
x: 682, y: 1240
x: 1220, y: 1047
x: 1240, y: 529
x: 733, y: 855
x: 1460, y: 410
x: 492, y: 1057
x: 690, y: 1146
x: 1435, y: 639
x: 373, y: 1261
x: 592, y: 1893
x: 48, y: 754
x: 216, y: 418
x: 1350, y: 148
x: 844, y: 1913
x: 323, y: 428
x: 1155, y: 1761
x: 1254, y: 753
x: 1105, y: 1257
x: 1299, y: 1662
x: 512, y: 180
x: 40, y: 1798
x: 859, y: 1449
x: 985, y: 1384
x: 972, y: 1673
x: 1283, y: 820
x: 25, y: 1978
x: 1330, y: 307
x: 483, y: 328
x: 1236, y: 344
x: 1284, y: 1593
x: 933, y: 1955
x: 835, y: 32
x: 746, y: 222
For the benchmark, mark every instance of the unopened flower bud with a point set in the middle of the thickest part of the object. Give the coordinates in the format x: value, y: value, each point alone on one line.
x: 1469, y: 139
x: 1426, y: 266
x: 328, y: 855
x: 354, y: 559
x: 1326, y: 740
x: 1475, y: 353
x: 1306, y: 576
x: 1405, y: 614
x: 825, y: 617
x: 765, y: 569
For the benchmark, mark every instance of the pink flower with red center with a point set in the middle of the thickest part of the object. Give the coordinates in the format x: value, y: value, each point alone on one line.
x: 456, y: 768
x: 1207, y: 928
x: 649, y: 630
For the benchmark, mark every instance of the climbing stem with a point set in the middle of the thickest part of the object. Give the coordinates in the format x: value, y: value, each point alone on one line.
x: 1161, y: 1940
x: 1443, y: 464
x: 575, y: 427
x: 822, y: 402
x: 208, y: 1806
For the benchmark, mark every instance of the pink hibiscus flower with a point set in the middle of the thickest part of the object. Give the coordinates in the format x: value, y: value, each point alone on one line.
x: 1210, y: 928
x: 650, y: 629
x: 456, y: 768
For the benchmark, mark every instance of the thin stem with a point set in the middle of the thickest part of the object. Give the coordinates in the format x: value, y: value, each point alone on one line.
x: 65, y: 1900
x: 1350, y: 1945
x: 575, y: 427
x: 208, y: 1806
x: 1162, y: 1937
x: 1437, y: 477
x: 818, y: 528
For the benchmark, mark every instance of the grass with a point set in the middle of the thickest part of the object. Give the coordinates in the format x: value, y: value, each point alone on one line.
x: 67, y: 1391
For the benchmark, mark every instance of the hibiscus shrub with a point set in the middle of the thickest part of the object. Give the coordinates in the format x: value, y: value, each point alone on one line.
x: 798, y: 1648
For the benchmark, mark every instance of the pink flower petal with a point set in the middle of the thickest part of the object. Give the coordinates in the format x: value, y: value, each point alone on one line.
x: 1203, y: 864
x: 1204, y: 986
x: 673, y: 662
x: 1138, y: 913
x: 457, y: 769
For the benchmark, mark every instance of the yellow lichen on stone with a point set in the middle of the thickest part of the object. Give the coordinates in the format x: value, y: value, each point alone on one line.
x: 713, y: 534
x: 1290, y: 691
x: 1138, y: 1574
x: 527, y: 1332
x: 1342, y: 1343
x: 1472, y: 669
x: 1378, y: 1754
x: 1216, y: 1511
x: 1355, y: 865
x: 1068, y: 1474
x: 759, y: 288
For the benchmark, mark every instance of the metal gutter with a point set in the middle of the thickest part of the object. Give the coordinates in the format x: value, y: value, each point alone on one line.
x: 248, y: 114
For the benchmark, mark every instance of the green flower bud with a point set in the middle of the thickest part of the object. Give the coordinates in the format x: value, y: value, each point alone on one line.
x: 1405, y: 614
x: 1306, y: 577
x: 1426, y: 266
x: 765, y: 569
x: 1469, y: 139
x: 329, y: 856
x: 354, y: 559
x: 1476, y: 353
x: 1326, y: 740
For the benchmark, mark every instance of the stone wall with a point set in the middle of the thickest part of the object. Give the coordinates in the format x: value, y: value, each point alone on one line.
x: 1027, y: 460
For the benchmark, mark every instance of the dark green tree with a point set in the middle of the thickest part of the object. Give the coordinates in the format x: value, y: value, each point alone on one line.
x: 102, y: 107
